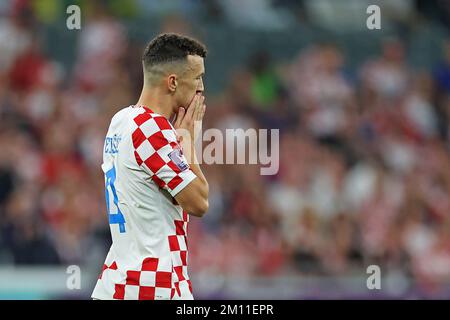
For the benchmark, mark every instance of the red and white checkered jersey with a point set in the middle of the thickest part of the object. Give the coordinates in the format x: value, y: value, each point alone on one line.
x: 144, y: 169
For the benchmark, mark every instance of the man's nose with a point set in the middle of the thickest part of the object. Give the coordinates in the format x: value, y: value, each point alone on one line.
x: 201, y: 88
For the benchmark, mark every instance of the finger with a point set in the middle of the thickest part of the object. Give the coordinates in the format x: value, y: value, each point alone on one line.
x: 191, y: 109
x: 180, y: 116
x: 198, y: 109
x: 204, y: 110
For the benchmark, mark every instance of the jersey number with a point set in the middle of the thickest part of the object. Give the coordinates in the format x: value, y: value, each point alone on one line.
x: 117, y: 217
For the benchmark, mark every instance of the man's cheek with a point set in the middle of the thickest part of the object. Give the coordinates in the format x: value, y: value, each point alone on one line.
x: 191, y: 97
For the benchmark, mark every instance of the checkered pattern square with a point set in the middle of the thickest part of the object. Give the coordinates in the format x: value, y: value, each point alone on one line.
x: 154, y: 139
x: 148, y: 283
x: 113, y: 266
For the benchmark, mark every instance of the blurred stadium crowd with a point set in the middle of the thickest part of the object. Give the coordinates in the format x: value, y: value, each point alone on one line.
x: 364, y: 163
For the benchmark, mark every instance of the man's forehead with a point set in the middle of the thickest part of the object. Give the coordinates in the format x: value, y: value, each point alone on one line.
x: 195, y: 63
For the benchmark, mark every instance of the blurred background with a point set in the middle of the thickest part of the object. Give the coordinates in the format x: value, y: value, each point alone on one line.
x: 364, y: 144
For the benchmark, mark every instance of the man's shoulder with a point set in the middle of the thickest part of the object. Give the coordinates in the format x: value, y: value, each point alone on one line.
x: 121, y: 114
x: 149, y: 123
x: 126, y: 116
x: 144, y: 125
x: 117, y: 120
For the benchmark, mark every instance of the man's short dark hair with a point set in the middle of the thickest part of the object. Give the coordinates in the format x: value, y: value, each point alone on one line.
x: 170, y: 47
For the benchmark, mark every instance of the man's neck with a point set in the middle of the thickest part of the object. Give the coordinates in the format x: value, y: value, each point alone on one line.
x: 157, y: 101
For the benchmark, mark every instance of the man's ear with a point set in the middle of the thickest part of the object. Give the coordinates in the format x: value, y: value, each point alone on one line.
x: 172, y: 83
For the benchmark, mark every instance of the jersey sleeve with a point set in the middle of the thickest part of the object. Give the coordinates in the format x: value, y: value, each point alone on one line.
x: 159, y: 154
